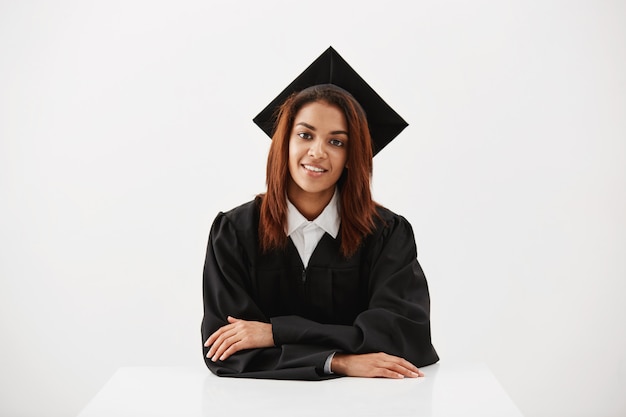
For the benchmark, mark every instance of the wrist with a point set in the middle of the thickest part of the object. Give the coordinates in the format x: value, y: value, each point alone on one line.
x: 271, y: 334
x: 337, y: 363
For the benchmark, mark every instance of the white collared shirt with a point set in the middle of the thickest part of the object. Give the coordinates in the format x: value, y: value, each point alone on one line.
x: 306, y: 234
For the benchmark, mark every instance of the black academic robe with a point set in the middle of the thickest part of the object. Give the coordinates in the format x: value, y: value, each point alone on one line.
x: 375, y: 301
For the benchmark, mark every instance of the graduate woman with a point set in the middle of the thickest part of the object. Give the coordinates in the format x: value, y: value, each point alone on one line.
x: 313, y: 279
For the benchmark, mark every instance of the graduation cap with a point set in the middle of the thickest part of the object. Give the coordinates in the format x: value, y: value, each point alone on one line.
x: 330, y: 68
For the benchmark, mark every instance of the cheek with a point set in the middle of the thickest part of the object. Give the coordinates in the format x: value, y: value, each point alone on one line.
x: 297, y: 150
x: 340, y: 161
x: 294, y: 159
x: 291, y: 151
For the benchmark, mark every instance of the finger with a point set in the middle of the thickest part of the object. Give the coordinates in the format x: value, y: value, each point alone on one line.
x: 215, y: 335
x: 213, y: 338
x: 219, y: 342
x: 388, y: 373
x: 402, y: 370
x: 405, y: 364
x: 211, y: 353
x: 226, y: 343
x: 213, y: 348
x: 224, y: 333
x: 397, y: 364
x: 232, y: 349
x: 408, y: 369
x: 415, y: 372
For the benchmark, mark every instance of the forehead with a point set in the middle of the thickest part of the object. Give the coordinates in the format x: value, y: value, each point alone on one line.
x: 322, y: 113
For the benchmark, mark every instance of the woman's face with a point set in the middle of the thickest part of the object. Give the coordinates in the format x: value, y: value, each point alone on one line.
x: 317, y: 152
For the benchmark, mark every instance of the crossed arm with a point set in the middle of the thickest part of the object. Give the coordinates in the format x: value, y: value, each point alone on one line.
x: 244, y: 334
x: 387, y: 339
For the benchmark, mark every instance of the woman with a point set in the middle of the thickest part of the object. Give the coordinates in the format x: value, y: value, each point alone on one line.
x: 313, y: 279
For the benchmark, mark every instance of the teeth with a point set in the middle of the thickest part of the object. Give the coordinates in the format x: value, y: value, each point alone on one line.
x: 314, y: 169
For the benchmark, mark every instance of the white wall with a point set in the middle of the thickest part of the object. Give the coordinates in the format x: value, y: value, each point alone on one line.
x: 126, y: 126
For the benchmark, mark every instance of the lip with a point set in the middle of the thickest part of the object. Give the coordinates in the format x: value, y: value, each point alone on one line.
x: 314, y: 168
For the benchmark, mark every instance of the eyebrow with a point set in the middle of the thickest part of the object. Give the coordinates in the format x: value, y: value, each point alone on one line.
x: 308, y: 126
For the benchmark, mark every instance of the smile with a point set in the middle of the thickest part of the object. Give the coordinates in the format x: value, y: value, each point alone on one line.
x: 313, y: 169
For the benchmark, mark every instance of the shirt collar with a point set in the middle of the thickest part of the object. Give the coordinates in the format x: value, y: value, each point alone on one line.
x: 328, y: 220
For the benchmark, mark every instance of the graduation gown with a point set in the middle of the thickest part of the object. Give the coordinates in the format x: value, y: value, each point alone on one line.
x: 375, y: 301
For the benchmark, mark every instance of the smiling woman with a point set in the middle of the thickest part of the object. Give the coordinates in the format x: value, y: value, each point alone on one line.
x: 317, y: 156
x: 313, y: 279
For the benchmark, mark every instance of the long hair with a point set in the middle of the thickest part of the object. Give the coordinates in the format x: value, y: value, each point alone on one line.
x: 357, y: 209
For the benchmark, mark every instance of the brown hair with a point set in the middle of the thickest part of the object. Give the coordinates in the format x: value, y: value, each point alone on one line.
x: 357, y: 209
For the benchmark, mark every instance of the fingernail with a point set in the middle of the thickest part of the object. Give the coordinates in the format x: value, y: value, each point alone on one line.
x: 214, y: 358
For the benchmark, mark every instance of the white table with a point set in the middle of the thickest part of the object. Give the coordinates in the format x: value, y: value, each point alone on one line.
x: 446, y: 390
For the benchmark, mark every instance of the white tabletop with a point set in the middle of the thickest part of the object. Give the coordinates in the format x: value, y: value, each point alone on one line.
x: 446, y: 390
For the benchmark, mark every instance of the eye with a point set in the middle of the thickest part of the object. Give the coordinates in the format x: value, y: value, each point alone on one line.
x: 305, y: 135
x: 336, y: 142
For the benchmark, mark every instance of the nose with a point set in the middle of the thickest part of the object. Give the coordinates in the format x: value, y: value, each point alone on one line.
x: 316, y: 150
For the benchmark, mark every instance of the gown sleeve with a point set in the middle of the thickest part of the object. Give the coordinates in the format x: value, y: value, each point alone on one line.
x: 397, y: 320
x: 225, y: 293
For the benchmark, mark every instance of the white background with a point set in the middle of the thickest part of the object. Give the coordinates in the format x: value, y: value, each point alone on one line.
x: 125, y: 126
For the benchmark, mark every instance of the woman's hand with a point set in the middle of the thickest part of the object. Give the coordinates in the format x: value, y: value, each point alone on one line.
x: 374, y: 365
x: 238, y: 335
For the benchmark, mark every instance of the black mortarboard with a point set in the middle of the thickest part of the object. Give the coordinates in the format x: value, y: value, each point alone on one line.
x: 330, y: 68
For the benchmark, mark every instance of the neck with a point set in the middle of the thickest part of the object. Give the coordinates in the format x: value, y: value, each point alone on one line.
x: 310, y: 205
